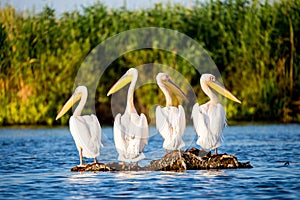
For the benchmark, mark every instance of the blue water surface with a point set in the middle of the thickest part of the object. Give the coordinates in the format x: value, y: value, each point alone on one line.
x: 36, y: 163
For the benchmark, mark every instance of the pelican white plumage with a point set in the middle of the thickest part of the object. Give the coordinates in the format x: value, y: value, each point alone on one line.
x: 170, y: 120
x: 130, y: 129
x: 86, y: 129
x: 209, y: 119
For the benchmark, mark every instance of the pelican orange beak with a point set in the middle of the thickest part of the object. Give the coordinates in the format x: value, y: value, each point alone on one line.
x: 72, y: 100
x: 222, y: 90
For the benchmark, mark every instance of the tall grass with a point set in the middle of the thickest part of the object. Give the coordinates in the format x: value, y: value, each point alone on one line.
x: 255, y: 46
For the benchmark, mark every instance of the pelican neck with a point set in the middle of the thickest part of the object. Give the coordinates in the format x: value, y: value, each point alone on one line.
x: 130, y: 94
x: 82, y: 101
x: 206, y: 89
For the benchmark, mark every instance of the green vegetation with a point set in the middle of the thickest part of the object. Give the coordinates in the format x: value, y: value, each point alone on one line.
x: 255, y: 46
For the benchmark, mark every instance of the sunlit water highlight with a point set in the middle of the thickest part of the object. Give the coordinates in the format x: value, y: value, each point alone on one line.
x: 36, y: 162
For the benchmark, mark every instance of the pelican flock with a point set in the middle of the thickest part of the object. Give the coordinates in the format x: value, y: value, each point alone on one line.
x: 131, y: 129
x: 86, y: 129
x: 170, y: 120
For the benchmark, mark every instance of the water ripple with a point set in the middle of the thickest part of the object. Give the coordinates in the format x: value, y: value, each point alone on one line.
x: 35, y: 163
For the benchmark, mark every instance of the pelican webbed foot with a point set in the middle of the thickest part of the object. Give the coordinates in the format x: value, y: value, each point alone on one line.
x: 137, y: 166
x: 181, y: 161
x: 203, y: 153
x: 82, y: 165
x: 216, y: 152
x: 166, y: 151
x: 123, y: 166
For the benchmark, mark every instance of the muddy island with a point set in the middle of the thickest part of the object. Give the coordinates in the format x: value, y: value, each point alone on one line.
x: 191, y: 159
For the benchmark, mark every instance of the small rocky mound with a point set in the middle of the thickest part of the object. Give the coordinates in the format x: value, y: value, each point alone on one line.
x: 100, y: 167
x: 192, y: 159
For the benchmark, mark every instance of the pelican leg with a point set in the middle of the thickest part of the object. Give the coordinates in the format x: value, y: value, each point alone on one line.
x: 216, y: 151
x: 95, y: 160
x: 137, y: 165
x: 123, y: 165
x: 181, y: 160
x: 166, y: 151
x: 80, y: 157
x: 202, y: 153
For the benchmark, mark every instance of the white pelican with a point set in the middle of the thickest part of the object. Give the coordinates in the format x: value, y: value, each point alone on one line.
x: 86, y: 129
x: 209, y: 119
x: 170, y: 120
x: 130, y: 129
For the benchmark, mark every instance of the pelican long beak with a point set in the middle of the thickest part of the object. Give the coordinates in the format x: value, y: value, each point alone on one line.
x: 175, y: 89
x: 73, y: 99
x: 222, y: 90
x: 123, y: 81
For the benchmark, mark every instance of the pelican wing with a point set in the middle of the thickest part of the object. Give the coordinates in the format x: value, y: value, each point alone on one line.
x: 95, y: 129
x: 201, y: 125
x: 182, y: 121
x: 162, y: 123
x: 218, y: 120
x: 119, y: 139
x: 136, y: 137
x: 170, y: 122
x: 139, y: 129
x: 86, y: 132
x: 144, y: 132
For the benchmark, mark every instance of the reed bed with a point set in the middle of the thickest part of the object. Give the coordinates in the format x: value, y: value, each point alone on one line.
x: 255, y: 45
